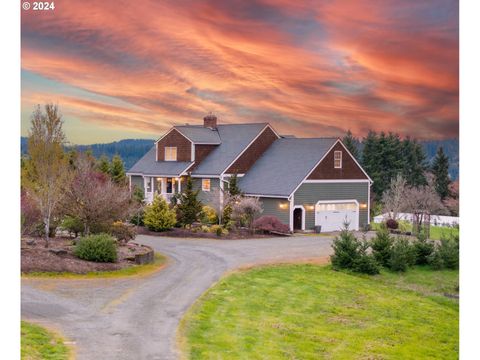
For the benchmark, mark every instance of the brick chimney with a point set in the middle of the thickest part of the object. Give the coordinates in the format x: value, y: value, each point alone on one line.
x: 210, y: 121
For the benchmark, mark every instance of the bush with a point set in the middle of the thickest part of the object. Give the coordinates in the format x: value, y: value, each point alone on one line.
x: 269, y: 223
x: 227, y: 216
x: 122, y: 231
x: 245, y: 210
x: 99, y: 248
x: 345, y: 250
x: 403, y: 255
x: 209, y: 215
x: 72, y: 225
x: 217, y: 229
x: 446, y: 254
x: 392, y: 224
x: 382, y: 246
x: 365, y: 263
x: 423, y: 249
x: 158, y: 216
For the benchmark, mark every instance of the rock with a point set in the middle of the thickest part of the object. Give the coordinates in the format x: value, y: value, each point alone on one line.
x: 58, y: 251
x: 30, y: 242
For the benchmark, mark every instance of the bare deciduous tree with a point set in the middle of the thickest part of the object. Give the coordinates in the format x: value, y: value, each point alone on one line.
x: 95, y: 199
x: 394, y: 197
x: 45, y: 172
x: 246, y: 209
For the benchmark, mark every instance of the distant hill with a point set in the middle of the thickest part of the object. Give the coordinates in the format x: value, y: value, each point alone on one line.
x: 131, y: 150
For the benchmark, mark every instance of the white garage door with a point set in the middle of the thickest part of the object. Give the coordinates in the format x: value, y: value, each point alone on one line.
x: 332, y: 215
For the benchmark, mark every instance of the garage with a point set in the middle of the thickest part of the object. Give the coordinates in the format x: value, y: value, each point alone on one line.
x: 331, y: 215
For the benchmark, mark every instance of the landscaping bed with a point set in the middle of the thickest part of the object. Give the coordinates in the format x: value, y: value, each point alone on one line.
x: 326, y: 314
x: 188, y: 233
x: 59, y: 257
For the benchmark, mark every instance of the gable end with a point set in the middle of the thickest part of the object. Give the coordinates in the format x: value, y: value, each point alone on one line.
x: 176, y: 139
x: 326, y: 169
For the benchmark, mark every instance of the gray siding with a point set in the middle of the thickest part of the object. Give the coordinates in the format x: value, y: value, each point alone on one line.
x: 271, y: 206
x: 137, y: 181
x: 309, y: 193
x: 204, y: 197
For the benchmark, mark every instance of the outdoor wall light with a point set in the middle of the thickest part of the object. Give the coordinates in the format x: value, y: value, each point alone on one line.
x: 363, y: 206
x: 283, y: 205
x: 309, y: 207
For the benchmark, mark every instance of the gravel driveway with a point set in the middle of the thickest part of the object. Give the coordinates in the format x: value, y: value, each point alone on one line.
x: 137, y: 318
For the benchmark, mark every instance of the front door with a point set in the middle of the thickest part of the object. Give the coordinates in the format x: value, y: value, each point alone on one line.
x: 297, y: 219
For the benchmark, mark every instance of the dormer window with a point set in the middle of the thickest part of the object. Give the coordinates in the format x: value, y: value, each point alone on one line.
x: 337, y: 159
x: 170, y: 153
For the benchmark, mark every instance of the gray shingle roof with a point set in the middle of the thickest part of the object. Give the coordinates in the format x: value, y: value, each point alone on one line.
x: 148, y: 166
x: 234, y: 138
x: 199, y: 134
x: 284, y: 165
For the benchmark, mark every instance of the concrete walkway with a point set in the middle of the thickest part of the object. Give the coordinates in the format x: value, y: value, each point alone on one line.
x: 137, y: 318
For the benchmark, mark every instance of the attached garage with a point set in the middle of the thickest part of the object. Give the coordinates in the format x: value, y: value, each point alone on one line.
x: 332, y: 215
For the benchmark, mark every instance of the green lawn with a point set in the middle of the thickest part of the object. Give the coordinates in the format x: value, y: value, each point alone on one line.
x: 313, y: 312
x: 38, y: 343
x: 436, y: 232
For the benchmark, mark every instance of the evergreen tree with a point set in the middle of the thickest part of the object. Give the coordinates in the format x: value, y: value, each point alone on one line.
x: 440, y: 173
x: 352, y: 144
x: 233, y: 188
x: 189, y: 207
x: 103, y: 165
x: 414, y: 162
x: 117, y: 171
x: 158, y: 216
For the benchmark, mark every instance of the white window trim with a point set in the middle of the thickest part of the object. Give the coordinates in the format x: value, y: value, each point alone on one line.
x: 165, y: 155
x: 303, y: 215
x: 334, y: 159
x: 204, y: 189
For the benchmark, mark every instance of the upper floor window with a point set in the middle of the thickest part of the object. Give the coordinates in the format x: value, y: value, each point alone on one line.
x: 337, y: 159
x: 205, y: 184
x: 170, y: 153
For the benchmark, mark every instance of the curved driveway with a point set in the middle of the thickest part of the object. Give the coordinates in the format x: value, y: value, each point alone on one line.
x: 137, y: 318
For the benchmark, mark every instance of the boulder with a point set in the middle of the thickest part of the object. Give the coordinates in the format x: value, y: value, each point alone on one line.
x: 58, y: 251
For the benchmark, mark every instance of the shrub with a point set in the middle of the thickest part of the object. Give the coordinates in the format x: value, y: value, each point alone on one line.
x: 246, y: 210
x: 158, y: 216
x: 269, y: 223
x: 403, y: 255
x: 73, y: 225
x: 345, y: 250
x: 209, y: 215
x: 122, y: 231
x: 382, y: 246
x: 423, y: 249
x: 392, y: 224
x: 227, y: 216
x: 205, y: 228
x: 216, y: 229
x: 99, y: 248
x: 365, y: 263
x: 403, y: 226
x: 446, y: 253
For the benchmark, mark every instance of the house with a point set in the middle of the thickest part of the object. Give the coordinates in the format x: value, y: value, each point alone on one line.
x: 305, y: 182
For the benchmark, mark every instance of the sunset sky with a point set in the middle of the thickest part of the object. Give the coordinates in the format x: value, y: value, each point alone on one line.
x: 131, y: 69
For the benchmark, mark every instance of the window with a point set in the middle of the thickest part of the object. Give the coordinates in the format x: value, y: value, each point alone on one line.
x: 337, y: 159
x: 170, y: 153
x: 205, y: 184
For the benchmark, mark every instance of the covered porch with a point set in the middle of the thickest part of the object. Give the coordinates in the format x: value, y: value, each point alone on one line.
x: 163, y: 186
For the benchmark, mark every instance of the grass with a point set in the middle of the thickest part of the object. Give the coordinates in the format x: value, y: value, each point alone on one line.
x: 312, y: 312
x: 135, y: 270
x: 436, y: 232
x: 39, y: 343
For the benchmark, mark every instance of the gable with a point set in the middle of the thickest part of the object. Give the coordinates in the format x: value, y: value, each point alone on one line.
x: 326, y: 170
x: 201, y: 152
x: 176, y: 139
x: 253, y: 152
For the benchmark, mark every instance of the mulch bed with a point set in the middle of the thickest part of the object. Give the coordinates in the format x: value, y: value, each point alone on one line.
x: 186, y: 233
x: 59, y: 257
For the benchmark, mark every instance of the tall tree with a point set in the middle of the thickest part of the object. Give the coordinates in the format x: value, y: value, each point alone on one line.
x: 117, y: 170
x: 414, y: 162
x: 189, y: 207
x: 46, y: 171
x: 352, y: 144
x: 103, y: 165
x: 440, y: 173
